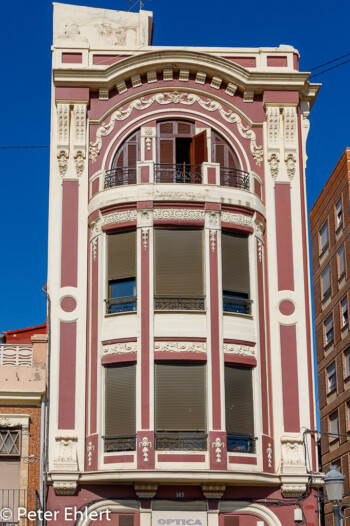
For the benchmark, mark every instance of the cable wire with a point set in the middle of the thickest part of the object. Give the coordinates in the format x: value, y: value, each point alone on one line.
x: 330, y: 62
x: 20, y: 147
x: 329, y: 69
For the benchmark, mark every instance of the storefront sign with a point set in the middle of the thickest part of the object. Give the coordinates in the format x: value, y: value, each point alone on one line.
x: 179, y: 518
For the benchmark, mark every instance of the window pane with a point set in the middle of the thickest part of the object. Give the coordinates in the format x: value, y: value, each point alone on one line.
x: 328, y: 325
x: 235, y: 273
x: 347, y: 362
x: 178, y: 262
x: 120, y: 405
x: 326, y: 281
x: 341, y: 262
x: 239, y: 400
x: 324, y: 236
x: 180, y: 403
x: 331, y: 377
x: 344, y: 311
x: 339, y: 212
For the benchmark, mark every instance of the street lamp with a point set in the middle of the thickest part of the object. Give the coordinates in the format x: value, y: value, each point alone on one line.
x: 334, y: 482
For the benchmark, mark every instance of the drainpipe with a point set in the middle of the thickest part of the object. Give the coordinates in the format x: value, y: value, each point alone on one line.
x: 42, y: 450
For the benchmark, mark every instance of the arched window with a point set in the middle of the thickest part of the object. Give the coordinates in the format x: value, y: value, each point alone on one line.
x: 223, y: 153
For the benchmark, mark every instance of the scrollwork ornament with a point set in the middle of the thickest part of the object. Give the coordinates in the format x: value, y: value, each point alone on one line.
x: 218, y: 445
x: 290, y: 161
x: 79, y: 162
x: 273, y: 161
x: 145, y: 444
x: 175, y: 97
x: 145, y: 232
x: 62, y: 157
x: 212, y: 235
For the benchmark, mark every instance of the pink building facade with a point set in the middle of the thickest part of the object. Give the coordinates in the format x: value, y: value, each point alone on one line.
x: 181, y: 360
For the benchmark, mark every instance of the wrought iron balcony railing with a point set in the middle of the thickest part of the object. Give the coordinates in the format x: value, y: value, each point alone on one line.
x: 16, y: 354
x: 118, y: 305
x: 119, y: 443
x: 178, y: 173
x: 13, y: 499
x: 181, y: 441
x: 120, y: 176
x: 241, y: 443
x: 174, y: 302
x: 234, y: 178
x: 237, y: 305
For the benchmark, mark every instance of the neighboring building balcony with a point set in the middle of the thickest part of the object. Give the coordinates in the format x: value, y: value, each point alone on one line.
x: 204, y: 174
x: 13, y: 499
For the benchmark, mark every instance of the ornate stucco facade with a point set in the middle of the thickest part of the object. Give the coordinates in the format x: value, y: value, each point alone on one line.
x: 204, y: 147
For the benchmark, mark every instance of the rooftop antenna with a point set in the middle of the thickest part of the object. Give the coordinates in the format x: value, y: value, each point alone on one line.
x: 137, y: 2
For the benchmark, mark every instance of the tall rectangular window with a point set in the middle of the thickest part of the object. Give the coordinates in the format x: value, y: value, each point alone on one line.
x: 341, y: 262
x: 344, y: 312
x: 323, y: 237
x: 239, y: 409
x: 333, y: 426
x: 339, y: 213
x: 180, y: 405
x: 326, y: 282
x: 328, y: 329
x: 235, y: 273
x: 331, y: 377
x: 121, y: 272
x: 120, y: 407
x: 178, y: 269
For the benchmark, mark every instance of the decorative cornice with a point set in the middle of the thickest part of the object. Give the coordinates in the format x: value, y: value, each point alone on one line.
x: 293, y: 490
x: 193, y: 347
x: 237, y: 219
x: 176, y: 97
x: 237, y: 348
x: 120, y: 348
x: 145, y: 490
x: 178, y: 213
x: 119, y: 217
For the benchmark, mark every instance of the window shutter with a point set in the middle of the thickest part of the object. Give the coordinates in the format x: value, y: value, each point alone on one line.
x: 199, y: 152
x: 166, y: 128
x: 184, y: 128
x: 178, y: 262
x: 239, y: 400
x: 120, y: 403
x: 180, y: 397
x: 219, y: 154
x: 167, y: 151
x: 121, y: 255
x: 120, y: 158
x: 132, y: 153
x: 235, y: 263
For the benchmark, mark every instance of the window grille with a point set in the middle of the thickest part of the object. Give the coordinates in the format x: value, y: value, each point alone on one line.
x: 10, y: 442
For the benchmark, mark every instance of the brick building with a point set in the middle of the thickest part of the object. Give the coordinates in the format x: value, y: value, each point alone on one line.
x: 181, y: 359
x: 23, y: 368
x: 330, y: 238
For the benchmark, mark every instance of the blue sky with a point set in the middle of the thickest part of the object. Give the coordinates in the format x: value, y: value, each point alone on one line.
x: 317, y: 29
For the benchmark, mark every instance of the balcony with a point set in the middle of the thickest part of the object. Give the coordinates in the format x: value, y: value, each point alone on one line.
x: 120, y: 176
x: 113, y: 444
x: 120, y: 305
x: 239, y: 443
x: 178, y: 173
x: 179, y: 303
x: 181, y: 441
x: 206, y: 173
x: 17, y: 355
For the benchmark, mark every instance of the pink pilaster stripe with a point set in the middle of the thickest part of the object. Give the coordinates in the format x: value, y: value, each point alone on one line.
x: 67, y: 370
x: 69, y: 255
x: 290, y: 378
x: 284, y: 237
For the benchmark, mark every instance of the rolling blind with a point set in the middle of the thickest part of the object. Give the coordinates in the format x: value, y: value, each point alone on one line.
x: 120, y: 402
x: 178, y: 262
x: 239, y: 400
x: 326, y: 281
x: 121, y: 255
x: 235, y: 263
x: 324, y: 236
x: 341, y: 261
x: 180, y: 397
